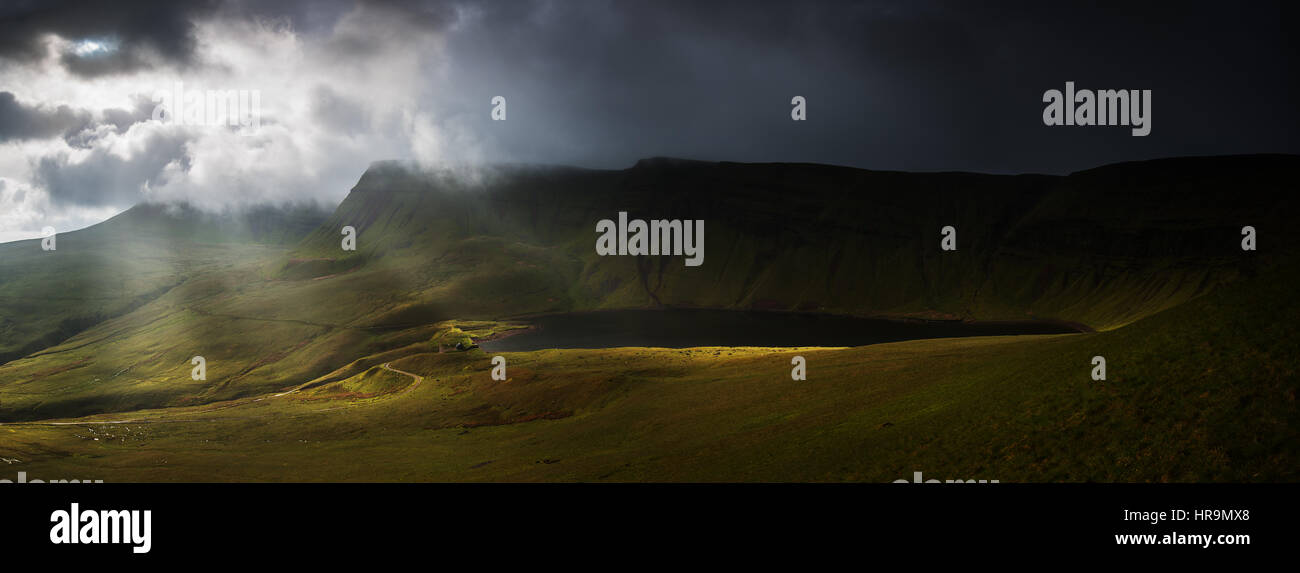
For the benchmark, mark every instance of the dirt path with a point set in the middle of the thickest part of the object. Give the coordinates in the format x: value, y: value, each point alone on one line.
x: 416, y: 380
x: 417, y: 377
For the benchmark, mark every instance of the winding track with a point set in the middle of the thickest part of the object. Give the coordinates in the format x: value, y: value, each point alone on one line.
x: 416, y: 380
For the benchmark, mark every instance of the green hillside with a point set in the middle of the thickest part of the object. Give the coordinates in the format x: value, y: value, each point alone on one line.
x: 121, y: 264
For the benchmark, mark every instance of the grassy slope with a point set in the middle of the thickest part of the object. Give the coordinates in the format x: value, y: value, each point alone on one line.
x: 118, y: 266
x: 106, y: 320
x: 1204, y: 392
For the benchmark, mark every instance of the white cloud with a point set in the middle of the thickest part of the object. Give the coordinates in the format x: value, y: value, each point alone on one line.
x: 24, y: 211
x: 331, y: 102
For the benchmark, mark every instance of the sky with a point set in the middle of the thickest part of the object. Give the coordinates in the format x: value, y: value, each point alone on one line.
x: 89, y: 123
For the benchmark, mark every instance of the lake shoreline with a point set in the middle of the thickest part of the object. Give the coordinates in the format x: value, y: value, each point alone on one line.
x: 695, y: 327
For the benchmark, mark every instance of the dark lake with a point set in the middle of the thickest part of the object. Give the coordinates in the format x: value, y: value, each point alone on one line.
x: 681, y: 328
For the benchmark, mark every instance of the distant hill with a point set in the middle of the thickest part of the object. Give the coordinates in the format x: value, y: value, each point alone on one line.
x: 120, y: 264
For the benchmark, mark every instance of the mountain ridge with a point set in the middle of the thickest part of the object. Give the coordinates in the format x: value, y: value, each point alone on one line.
x: 1167, y: 225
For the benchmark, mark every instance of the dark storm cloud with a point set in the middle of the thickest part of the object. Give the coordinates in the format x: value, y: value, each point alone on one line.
x: 118, y: 121
x: 425, y: 15
x: 337, y: 112
x: 77, y: 127
x: 307, y: 16
x: 378, y: 22
x: 141, y: 32
x: 104, y: 178
x: 893, y: 85
x: 123, y: 119
x: 19, y: 122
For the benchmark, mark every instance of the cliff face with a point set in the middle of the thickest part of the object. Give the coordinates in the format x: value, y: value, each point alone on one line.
x: 1102, y: 247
